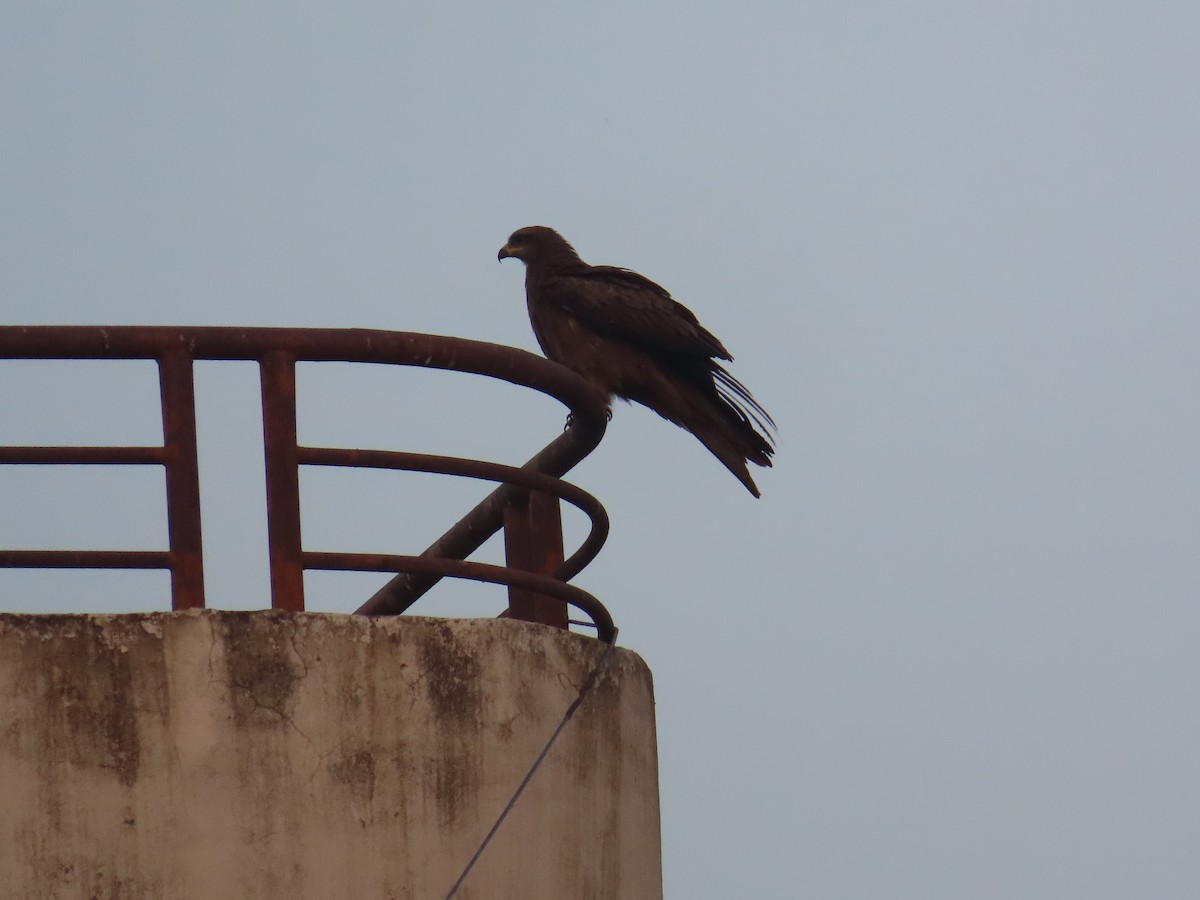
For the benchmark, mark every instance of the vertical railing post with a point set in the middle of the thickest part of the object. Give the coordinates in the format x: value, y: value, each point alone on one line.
x: 178, y: 391
x: 533, y: 541
x: 278, y: 373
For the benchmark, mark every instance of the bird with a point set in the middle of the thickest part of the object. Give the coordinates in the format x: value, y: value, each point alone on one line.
x: 629, y: 338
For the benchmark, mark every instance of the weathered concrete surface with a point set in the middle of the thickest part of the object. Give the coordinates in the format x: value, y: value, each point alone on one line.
x: 212, y: 754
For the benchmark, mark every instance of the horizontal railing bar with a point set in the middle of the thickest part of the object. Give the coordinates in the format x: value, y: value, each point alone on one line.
x: 475, y: 468
x: 85, y: 559
x: 470, y: 532
x: 110, y: 456
x: 304, y: 344
x: 475, y: 571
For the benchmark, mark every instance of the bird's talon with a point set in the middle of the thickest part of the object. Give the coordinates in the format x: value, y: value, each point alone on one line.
x: 571, y: 418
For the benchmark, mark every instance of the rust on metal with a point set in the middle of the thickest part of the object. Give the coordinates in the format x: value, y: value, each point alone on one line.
x: 475, y: 468
x: 84, y: 559
x: 278, y: 371
x: 526, y: 503
x: 533, y: 542
x: 476, y: 571
x: 180, y: 454
x: 107, y: 456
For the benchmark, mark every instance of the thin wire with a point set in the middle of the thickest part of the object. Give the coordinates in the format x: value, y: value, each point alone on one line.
x: 587, y: 685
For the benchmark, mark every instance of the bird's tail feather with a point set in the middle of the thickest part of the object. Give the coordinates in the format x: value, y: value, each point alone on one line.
x: 719, y: 411
x: 734, y: 442
x: 726, y: 427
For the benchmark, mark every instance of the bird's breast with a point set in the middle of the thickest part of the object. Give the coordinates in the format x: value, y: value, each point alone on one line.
x: 609, y: 363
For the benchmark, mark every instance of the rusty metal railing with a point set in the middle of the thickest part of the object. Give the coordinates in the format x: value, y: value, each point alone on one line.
x: 525, y: 505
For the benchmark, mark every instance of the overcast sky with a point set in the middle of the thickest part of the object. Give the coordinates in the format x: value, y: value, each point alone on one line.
x: 952, y: 652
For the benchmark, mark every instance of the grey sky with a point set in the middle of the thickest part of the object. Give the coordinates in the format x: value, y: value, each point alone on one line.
x: 952, y: 651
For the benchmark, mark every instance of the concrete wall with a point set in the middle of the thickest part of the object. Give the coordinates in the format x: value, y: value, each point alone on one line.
x: 225, y: 755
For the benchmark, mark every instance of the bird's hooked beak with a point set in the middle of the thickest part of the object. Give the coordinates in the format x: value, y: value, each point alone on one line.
x: 505, y: 253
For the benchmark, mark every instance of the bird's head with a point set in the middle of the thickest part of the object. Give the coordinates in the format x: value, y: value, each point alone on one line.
x: 536, y: 243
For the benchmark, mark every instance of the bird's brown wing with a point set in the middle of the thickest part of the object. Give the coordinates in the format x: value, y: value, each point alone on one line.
x: 626, y: 304
x: 623, y: 304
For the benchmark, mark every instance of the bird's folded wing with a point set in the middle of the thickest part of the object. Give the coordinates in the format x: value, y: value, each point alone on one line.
x: 623, y: 303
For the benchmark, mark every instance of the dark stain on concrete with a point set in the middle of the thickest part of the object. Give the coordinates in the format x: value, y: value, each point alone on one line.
x: 356, y: 770
x: 108, y: 713
x: 262, y: 668
x: 451, y: 676
x: 91, y: 696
